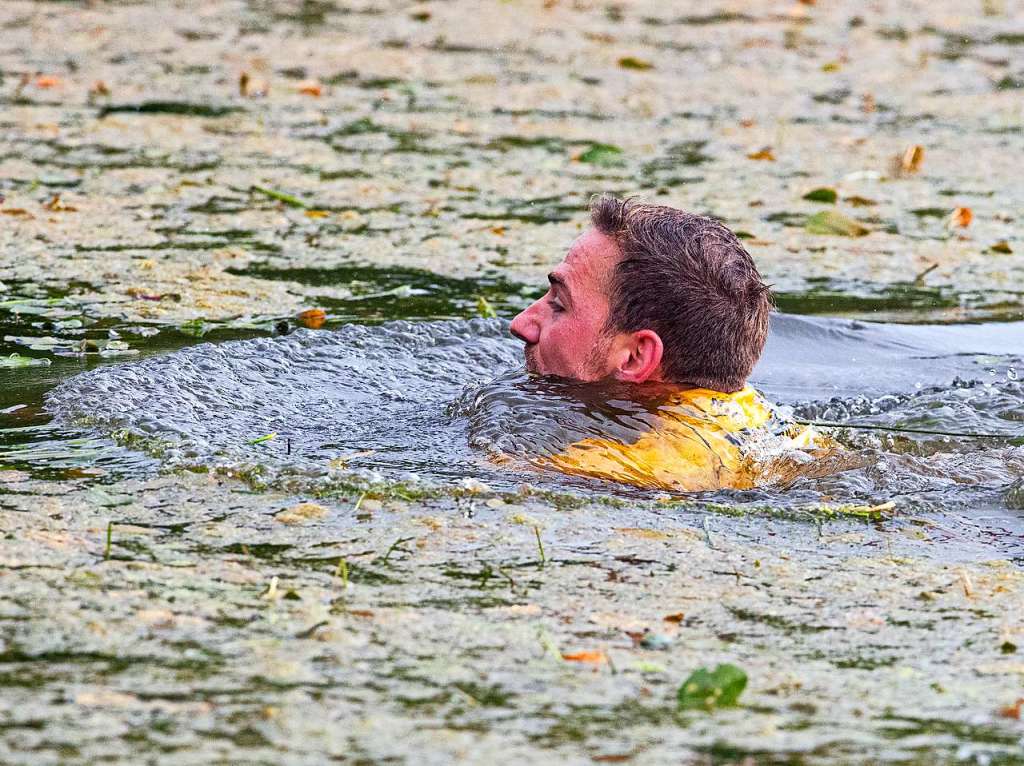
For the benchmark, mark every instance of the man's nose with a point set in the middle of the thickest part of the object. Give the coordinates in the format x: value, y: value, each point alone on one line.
x: 526, y: 326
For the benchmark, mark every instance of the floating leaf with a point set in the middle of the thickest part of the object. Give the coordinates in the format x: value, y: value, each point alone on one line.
x: 16, y: 360
x: 764, y: 154
x: 55, y: 204
x: 823, y: 194
x: 1002, y: 246
x: 1013, y: 711
x: 194, y: 327
x: 960, y: 218
x: 301, y: 513
x: 262, y: 439
x: 604, y: 155
x: 593, y: 656
x: 311, y: 88
x: 833, y: 223
x: 485, y: 309
x: 706, y: 689
x: 858, y: 201
x: 910, y: 161
x: 656, y: 641
x: 280, y: 196
x: 313, y: 318
x: 631, y: 62
x: 47, y: 81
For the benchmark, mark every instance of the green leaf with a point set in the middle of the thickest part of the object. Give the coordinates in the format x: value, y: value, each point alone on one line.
x: 195, y: 327
x: 632, y: 62
x: 262, y: 439
x: 835, y: 224
x: 705, y: 689
x: 485, y: 309
x: 604, y: 155
x: 16, y: 360
x: 824, y: 194
x: 280, y: 196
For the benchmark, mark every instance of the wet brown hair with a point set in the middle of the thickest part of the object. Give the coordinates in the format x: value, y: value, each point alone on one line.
x: 688, y: 278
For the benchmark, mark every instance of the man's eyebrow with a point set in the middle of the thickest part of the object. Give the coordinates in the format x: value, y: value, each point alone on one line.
x: 557, y: 281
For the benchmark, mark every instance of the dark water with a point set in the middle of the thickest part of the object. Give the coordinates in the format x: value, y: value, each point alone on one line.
x: 935, y: 413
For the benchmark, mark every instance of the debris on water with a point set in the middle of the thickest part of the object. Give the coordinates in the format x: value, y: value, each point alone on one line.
x: 656, y: 641
x: 961, y: 218
x: 1014, y: 495
x: 824, y: 194
x: 633, y: 62
x: 764, y: 154
x: 474, y: 486
x: 589, y: 656
x: 313, y: 318
x: 909, y: 161
x: 301, y: 513
x: 706, y: 689
x: 16, y: 360
x: 604, y: 155
x: 288, y: 199
x: 835, y: 223
x: 485, y: 309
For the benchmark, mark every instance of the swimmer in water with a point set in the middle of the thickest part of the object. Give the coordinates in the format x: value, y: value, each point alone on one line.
x: 671, y: 302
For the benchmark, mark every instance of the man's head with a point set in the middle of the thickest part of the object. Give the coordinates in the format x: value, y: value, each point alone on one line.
x: 650, y: 293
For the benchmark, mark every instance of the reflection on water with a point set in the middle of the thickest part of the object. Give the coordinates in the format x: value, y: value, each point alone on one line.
x: 935, y: 414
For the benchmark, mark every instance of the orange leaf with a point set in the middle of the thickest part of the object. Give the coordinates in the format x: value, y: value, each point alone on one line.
x: 593, y: 656
x: 313, y: 318
x: 960, y: 217
x: 47, y: 81
x: 764, y: 154
x: 1014, y: 710
x: 311, y: 88
x: 677, y: 617
x: 317, y: 213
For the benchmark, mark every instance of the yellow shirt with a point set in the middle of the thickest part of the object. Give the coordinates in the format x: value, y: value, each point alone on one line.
x: 704, y: 440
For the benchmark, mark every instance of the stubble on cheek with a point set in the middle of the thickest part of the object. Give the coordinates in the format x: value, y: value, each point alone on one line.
x: 532, y: 362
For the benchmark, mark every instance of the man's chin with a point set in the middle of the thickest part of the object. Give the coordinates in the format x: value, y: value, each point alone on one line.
x: 532, y: 363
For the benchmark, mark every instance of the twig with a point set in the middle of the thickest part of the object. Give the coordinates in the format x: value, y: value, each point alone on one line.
x: 540, y: 545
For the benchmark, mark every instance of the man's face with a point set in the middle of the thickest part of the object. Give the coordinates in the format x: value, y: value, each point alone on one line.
x: 563, y: 330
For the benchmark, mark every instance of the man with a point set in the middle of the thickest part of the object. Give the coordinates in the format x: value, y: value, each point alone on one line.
x: 655, y: 296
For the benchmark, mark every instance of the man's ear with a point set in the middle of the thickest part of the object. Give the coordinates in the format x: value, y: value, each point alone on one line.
x: 641, y: 357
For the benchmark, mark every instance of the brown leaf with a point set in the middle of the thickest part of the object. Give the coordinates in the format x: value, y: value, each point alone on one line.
x: 313, y: 318
x: 632, y: 62
x: 99, y: 88
x: 910, y: 161
x: 55, y: 204
x: 301, y: 513
x: 676, y: 618
x: 764, y: 154
x: 1002, y: 246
